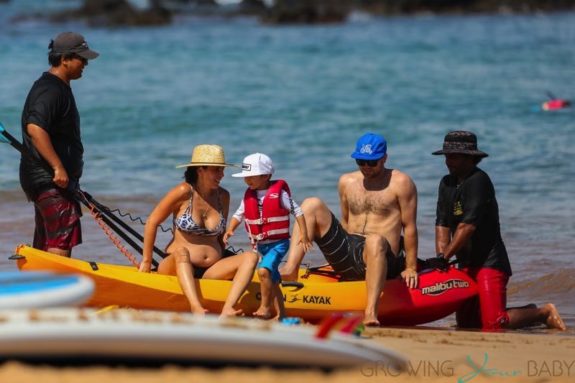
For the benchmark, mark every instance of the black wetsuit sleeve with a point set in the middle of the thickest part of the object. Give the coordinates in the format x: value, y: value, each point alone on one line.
x: 477, y: 193
x: 442, y: 210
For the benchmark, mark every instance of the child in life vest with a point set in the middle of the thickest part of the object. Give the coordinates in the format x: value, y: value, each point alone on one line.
x: 265, y: 209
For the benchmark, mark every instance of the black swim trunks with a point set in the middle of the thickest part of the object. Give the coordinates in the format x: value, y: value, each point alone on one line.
x: 344, y: 252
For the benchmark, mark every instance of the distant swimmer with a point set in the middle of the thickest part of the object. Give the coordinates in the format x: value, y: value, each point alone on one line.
x: 555, y: 103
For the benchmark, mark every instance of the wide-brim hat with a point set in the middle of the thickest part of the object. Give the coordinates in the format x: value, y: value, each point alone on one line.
x: 460, y: 142
x: 207, y: 155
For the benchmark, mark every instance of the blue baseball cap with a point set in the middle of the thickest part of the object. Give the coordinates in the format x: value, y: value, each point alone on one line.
x: 370, y: 146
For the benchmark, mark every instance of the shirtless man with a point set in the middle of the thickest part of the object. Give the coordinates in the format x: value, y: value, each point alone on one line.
x: 377, y: 205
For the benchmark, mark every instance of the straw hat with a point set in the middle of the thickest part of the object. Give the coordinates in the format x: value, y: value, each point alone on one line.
x: 207, y: 155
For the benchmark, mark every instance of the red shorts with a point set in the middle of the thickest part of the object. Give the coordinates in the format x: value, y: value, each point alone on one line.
x: 57, y: 221
x: 488, y: 309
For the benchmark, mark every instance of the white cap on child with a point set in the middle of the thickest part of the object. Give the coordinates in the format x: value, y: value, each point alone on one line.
x: 256, y: 164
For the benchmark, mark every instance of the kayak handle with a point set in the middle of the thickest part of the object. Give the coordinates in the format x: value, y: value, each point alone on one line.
x: 299, y: 285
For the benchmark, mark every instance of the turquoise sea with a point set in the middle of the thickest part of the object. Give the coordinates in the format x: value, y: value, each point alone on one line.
x: 303, y: 95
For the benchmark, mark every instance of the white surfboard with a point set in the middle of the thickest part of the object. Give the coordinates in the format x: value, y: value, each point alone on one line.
x: 43, y: 289
x: 127, y: 336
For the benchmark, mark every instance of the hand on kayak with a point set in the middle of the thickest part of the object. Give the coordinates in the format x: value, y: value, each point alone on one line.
x: 438, y: 263
x: 410, y: 277
x: 145, y: 267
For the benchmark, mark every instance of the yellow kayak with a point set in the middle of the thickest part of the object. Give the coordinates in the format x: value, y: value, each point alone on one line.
x: 316, y: 294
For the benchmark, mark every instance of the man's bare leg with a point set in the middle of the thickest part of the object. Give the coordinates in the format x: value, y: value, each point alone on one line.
x: 375, y: 274
x: 547, y: 314
x: 318, y: 221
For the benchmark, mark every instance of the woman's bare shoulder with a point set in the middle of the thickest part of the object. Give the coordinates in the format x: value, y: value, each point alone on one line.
x: 181, y: 191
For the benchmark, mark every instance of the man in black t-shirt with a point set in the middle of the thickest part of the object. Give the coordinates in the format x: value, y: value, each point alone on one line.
x: 467, y: 227
x: 51, y: 133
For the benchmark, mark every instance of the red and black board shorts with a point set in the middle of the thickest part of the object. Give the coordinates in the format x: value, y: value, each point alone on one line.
x: 57, y: 217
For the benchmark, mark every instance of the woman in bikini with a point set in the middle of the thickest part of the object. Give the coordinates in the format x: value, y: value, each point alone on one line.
x: 199, y: 207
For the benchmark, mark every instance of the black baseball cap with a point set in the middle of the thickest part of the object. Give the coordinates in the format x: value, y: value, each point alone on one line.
x: 71, y: 42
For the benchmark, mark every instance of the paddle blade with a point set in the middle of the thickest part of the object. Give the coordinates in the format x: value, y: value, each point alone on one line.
x: 3, y: 138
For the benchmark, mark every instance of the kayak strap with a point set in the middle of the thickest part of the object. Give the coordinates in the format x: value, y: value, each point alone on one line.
x: 108, y: 231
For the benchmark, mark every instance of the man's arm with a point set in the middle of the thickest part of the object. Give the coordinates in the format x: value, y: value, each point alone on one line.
x: 42, y: 143
x: 462, y: 234
x: 479, y: 192
x: 343, y: 204
x: 407, y: 197
x: 442, y: 238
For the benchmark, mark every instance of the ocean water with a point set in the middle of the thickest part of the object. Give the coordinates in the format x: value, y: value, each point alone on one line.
x: 303, y: 95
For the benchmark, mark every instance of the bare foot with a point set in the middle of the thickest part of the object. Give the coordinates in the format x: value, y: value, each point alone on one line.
x: 263, y: 313
x: 231, y: 313
x: 199, y: 310
x: 371, y: 321
x: 553, y: 318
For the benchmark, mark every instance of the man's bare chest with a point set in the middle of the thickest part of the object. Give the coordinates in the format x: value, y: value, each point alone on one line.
x: 381, y: 202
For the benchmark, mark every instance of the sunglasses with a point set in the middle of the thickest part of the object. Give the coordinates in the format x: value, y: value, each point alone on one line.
x: 370, y: 163
x: 78, y: 57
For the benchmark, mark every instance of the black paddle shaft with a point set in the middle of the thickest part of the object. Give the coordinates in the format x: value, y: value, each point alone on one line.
x: 16, y: 144
x: 105, y: 213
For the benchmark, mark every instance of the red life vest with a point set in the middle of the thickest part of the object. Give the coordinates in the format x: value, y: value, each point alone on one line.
x: 274, y: 220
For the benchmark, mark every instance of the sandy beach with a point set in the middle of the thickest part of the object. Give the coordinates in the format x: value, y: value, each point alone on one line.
x: 434, y: 356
